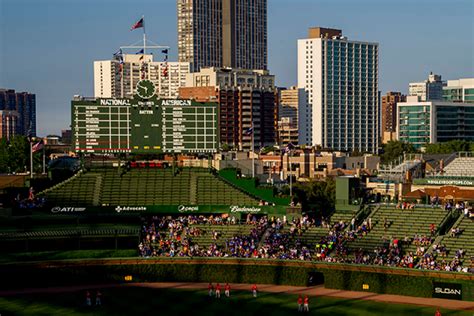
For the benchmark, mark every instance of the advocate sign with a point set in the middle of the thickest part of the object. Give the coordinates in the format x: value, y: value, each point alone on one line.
x: 452, y: 291
x: 171, y: 209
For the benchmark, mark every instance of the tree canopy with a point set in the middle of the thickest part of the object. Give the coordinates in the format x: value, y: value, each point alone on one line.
x: 449, y: 147
x: 14, y: 154
x: 394, y: 149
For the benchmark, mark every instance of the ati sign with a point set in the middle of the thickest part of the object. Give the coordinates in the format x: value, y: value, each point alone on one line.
x: 447, y: 290
x: 58, y: 209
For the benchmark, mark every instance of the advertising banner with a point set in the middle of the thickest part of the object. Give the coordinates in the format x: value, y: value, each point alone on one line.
x: 450, y: 291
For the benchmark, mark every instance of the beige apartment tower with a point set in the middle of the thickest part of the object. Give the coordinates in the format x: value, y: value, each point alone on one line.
x: 113, y: 79
x: 222, y: 33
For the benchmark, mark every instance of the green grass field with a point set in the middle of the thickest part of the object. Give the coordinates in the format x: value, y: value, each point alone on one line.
x: 147, y: 301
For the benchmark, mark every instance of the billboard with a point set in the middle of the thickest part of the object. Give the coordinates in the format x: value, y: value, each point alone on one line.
x: 144, y: 126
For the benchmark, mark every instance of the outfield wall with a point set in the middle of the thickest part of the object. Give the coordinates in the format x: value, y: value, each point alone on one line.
x: 336, y: 276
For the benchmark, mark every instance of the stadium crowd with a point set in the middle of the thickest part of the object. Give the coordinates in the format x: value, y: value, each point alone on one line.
x: 275, y: 238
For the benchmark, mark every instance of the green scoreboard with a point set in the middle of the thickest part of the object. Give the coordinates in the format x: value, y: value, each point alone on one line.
x: 144, y: 126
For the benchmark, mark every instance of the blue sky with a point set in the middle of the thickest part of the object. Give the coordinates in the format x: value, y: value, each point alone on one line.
x: 48, y: 47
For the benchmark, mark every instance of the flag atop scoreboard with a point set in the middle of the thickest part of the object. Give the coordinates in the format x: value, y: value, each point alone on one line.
x: 144, y: 124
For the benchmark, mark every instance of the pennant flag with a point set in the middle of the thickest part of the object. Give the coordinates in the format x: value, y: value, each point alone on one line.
x: 140, y: 23
x: 141, y: 51
x: 38, y: 146
x: 165, y: 51
x: 249, y: 131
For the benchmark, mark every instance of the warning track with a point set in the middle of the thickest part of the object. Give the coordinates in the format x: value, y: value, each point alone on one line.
x: 283, y: 289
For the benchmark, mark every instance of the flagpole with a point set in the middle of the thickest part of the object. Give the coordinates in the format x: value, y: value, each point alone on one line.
x: 44, y: 159
x: 291, y: 178
x: 144, y: 36
x: 253, y: 153
x: 31, y: 158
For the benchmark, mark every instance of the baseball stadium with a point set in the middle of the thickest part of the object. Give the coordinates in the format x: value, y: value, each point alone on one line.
x: 139, y: 236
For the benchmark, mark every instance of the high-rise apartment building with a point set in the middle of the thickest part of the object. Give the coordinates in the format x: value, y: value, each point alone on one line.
x: 428, y: 90
x: 246, y: 99
x: 113, y: 79
x: 288, y: 115
x: 340, y: 110
x: 389, y: 115
x: 222, y: 33
x: 289, y: 104
x: 24, y: 104
x: 423, y: 122
x: 461, y: 90
x: 8, y: 123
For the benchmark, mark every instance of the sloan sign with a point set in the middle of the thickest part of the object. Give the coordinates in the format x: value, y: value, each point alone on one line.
x: 451, y: 291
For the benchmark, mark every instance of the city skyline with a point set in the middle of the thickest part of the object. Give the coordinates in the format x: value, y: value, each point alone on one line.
x: 52, y: 45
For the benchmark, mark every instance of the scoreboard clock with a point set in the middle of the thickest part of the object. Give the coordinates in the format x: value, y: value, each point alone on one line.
x: 145, y: 89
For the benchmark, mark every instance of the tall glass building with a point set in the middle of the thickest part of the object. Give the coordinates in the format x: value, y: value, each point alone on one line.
x: 222, y: 33
x: 420, y: 123
x: 341, y: 110
x: 461, y: 90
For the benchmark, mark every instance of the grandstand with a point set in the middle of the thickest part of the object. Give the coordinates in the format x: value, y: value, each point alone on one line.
x: 464, y: 240
x: 76, y: 191
x: 224, y: 232
x: 312, y: 235
x: 147, y: 186
x: 67, y: 236
x: 460, y: 167
x: 401, y: 223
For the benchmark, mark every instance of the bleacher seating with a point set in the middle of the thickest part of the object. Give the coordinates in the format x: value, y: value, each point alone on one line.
x: 312, y: 235
x: 460, y: 167
x: 225, y: 232
x: 465, y: 240
x: 211, y: 191
x: 401, y: 224
x: 147, y: 186
x: 77, y: 192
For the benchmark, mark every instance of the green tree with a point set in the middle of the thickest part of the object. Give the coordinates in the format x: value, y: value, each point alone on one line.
x: 319, y: 196
x: 449, y: 147
x: 226, y: 147
x: 4, y: 155
x: 15, y: 154
x: 394, y: 149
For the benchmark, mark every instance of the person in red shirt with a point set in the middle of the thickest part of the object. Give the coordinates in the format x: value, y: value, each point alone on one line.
x: 438, y: 313
x: 218, y: 290
x: 227, y: 290
x: 98, y: 299
x: 210, y: 288
x: 306, y: 304
x: 88, y: 299
x: 300, y: 303
x: 254, y: 290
